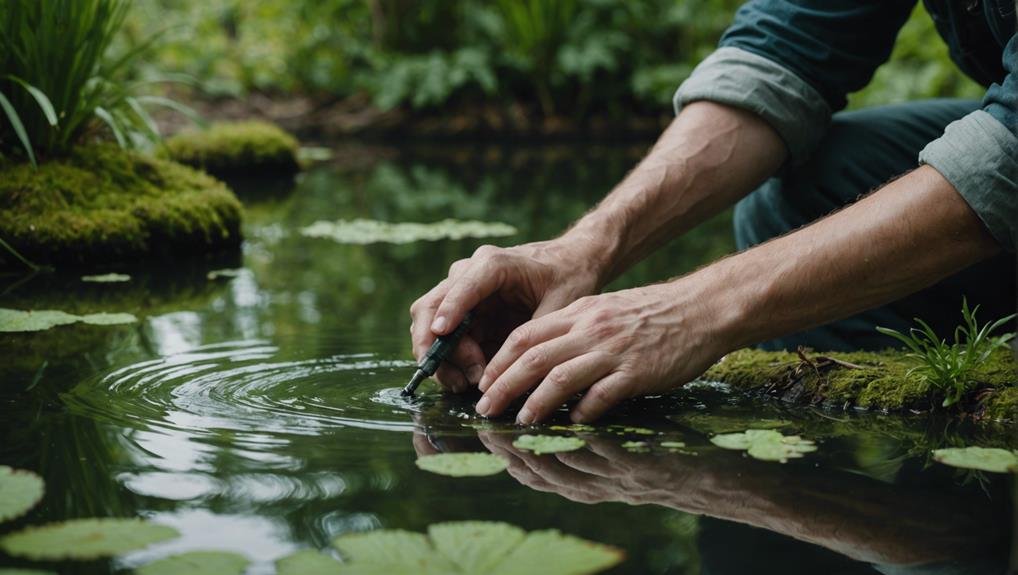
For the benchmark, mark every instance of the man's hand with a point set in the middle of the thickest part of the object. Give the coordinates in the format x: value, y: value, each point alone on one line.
x: 609, y: 347
x: 505, y: 287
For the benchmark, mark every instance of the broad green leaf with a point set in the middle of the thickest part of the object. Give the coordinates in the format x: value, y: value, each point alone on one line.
x: 84, y: 538
x: 541, y: 444
x: 360, y: 231
x: 765, y: 444
x: 224, y: 273
x: 106, y: 278
x: 471, y: 548
x: 309, y: 562
x: 108, y: 318
x: 992, y: 459
x: 12, y: 320
x: 197, y: 563
x: 462, y: 464
x: 20, y: 491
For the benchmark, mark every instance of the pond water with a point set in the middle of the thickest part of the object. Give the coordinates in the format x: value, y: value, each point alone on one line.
x: 259, y: 413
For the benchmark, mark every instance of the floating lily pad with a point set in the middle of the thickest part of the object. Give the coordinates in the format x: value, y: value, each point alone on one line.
x: 462, y: 464
x: 765, y: 444
x: 992, y: 459
x: 360, y: 231
x: 623, y: 429
x: 673, y: 444
x: 636, y: 446
x: 20, y: 490
x: 542, y: 444
x: 309, y: 562
x: 84, y: 538
x: 197, y: 563
x: 108, y: 318
x: 711, y: 423
x: 223, y: 274
x: 473, y: 547
x: 106, y: 278
x: 575, y: 427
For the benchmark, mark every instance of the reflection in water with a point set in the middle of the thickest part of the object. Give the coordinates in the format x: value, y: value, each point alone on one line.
x: 262, y: 413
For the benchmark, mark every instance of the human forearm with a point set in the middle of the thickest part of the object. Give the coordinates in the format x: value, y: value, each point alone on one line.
x: 900, y: 239
x: 708, y: 158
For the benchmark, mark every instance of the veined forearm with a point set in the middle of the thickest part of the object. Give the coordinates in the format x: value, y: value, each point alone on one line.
x: 707, y: 159
x: 898, y: 240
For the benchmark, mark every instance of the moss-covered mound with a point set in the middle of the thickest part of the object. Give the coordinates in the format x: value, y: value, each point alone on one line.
x: 103, y: 205
x: 872, y: 380
x: 235, y: 148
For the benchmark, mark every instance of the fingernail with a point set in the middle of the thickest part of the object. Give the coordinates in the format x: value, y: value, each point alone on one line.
x: 474, y: 373
x: 577, y: 417
x: 438, y: 326
x: 525, y: 417
x: 484, y: 383
x: 482, y: 406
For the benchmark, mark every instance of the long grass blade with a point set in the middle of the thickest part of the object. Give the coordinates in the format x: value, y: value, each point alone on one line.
x: 107, y: 118
x: 19, y: 128
x: 42, y: 99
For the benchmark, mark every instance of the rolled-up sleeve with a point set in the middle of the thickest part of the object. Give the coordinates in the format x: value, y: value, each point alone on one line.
x: 978, y: 154
x: 793, y: 62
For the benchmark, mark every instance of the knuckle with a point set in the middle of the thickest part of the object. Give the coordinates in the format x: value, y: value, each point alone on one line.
x: 484, y: 250
x: 535, y: 359
x: 557, y: 377
x: 603, y: 395
x: 518, y: 339
x: 498, y: 393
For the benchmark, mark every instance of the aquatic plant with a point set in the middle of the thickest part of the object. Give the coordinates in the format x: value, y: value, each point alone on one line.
x: 84, y: 538
x: 765, y: 444
x: 20, y: 491
x: 992, y: 459
x: 949, y: 366
x: 197, y: 563
x: 13, y: 320
x: 542, y: 444
x: 462, y: 464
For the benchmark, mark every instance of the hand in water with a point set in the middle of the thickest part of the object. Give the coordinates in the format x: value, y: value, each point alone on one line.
x: 505, y: 287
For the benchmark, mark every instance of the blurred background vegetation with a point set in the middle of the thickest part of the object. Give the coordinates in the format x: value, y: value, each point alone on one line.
x: 575, y: 60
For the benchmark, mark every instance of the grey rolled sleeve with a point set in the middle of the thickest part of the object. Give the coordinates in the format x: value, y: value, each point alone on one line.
x: 979, y: 156
x: 736, y: 77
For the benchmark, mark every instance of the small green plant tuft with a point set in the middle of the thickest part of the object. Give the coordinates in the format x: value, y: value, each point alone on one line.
x: 948, y: 366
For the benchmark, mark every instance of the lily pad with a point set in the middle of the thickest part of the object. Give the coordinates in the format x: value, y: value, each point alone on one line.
x: 473, y: 547
x: 462, y: 464
x: 84, y: 538
x: 108, y: 318
x: 309, y: 562
x: 765, y: 444
x: 623, y: 429
x: 992, y: 459
x: 223, y: 274
x: 13, y: 320
x: 197, y: 563
x: 636, y: 446
x: 106, y: 278
x: 575, y: 427
x: 361, y: 231
x: 542, y: 444
x: 673, y: 444
x: 711, y: 423
x: 20, y: 491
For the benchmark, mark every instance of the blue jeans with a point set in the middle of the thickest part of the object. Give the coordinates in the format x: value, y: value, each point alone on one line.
x: 862, y: 150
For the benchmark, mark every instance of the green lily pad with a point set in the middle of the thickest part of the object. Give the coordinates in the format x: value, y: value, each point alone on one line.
x: 197, y: 563
x: 992, y: 459
x: 16, y: 571
x: 20, y: 491
x: 673, y: 444
x: 765, y: 444
x: 636, y: 446
x: 712, y: 423
x: 575, y: 427
x: 361, y: 231
x: 13, y: 320
x: 473, y: 547
x: 224, y: 273
x: 84, y: 538
x: 462, y: 464
x: 107, y: 278
x: 108, y: 318
x: 309, y: 562
x: 542, y: 444
x: 623, y: 429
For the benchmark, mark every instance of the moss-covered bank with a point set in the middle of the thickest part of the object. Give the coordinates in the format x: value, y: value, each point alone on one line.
x: 235, y: 148
x: 870, y: 380
x: 103, y: 205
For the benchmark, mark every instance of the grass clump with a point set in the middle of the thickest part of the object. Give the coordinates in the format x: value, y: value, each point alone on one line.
x: 235, y: 148
x: 102, y: 204
x: 949, y: 367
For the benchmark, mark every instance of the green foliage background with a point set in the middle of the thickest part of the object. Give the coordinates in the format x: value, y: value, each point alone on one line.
x: 573, y: 58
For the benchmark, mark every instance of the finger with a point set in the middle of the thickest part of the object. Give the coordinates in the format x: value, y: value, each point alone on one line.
x: 477, y: 281
x: 422, y: 312
x: 423, y: 446
x: 528, y: 371
x: 588, y: 462
x: 469, y: 357
x: 451, y: 378
x: 601, y: 396
x: 554, y: 471
x: 520, y: 341
x: 562, y: 382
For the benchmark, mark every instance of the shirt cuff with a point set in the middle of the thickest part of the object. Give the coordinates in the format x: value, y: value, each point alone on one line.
x: 745, y: 80
x: 979, y: 156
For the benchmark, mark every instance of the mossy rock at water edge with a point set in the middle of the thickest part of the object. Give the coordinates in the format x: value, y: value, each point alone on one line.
x: 102, y: 205
x: 883, y: 381
x: 235, y: 149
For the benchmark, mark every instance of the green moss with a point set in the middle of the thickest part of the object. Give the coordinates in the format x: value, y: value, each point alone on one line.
x: 235, y: 148
x: 103, y: 204
x: 881, y: 380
